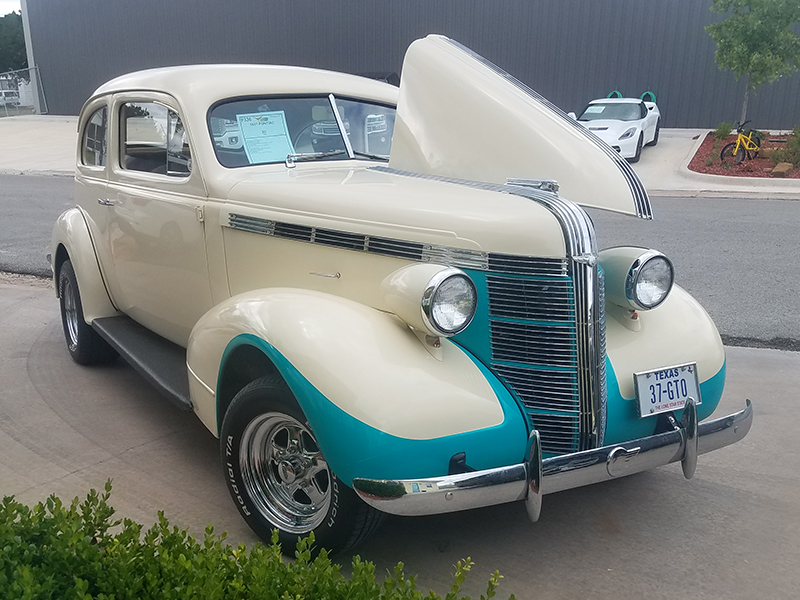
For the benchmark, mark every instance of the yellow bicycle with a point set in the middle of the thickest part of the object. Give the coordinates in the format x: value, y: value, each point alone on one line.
x: 745, y: 146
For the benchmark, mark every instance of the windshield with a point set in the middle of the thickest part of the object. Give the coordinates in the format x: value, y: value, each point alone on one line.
x: 267, y: 130
x: 618, y: 111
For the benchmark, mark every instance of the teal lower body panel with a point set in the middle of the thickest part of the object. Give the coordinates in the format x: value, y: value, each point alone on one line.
x: 623, y: 422
x: 355, y: 449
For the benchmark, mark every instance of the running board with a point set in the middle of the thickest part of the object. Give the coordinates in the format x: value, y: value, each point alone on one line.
x: 159, y: 361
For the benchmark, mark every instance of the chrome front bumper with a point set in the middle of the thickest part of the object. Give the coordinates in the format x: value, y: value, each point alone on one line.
x: 535, y: 477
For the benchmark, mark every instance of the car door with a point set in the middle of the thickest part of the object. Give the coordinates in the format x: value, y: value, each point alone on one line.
x: 156, y: 234
x: 91, y: 176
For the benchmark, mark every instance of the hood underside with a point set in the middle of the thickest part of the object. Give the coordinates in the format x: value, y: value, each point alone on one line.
x: 459, y: 116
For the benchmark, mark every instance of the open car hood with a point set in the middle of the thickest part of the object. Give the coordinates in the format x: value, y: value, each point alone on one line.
x: 459, y: 116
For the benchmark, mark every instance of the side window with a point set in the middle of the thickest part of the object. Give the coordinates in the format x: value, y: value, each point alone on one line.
x: 95, y: 139
x: 643, y: 110
x: 153, y: 140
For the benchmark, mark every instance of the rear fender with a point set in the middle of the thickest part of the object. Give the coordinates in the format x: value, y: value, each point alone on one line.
x: 71, y: 240
x: 378, y: 399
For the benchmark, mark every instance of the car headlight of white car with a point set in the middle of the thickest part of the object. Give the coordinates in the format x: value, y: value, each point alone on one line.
x: 636, y: 278
x: 628, y: 133
x: 434, y: 298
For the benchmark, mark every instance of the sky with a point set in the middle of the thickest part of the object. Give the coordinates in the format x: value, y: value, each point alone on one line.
x: 7, y: 6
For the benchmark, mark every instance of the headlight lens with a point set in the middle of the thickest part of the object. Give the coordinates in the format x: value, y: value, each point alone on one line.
x: 628, y: 133
x: 649, y: 280
x: 449, y: 302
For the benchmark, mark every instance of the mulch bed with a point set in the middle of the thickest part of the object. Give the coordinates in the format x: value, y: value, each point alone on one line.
x: 759, y: 167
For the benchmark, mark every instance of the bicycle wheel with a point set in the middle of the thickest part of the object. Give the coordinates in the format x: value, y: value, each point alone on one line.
x: 727, y: 152
x: 739, y: 156
x: 754, y: 153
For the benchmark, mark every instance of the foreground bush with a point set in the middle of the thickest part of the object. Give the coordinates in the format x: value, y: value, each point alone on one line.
x: 77, y: 552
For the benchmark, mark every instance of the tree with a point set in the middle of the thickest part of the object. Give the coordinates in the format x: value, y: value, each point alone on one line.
x: 756, y: 40
x: 12, y: 43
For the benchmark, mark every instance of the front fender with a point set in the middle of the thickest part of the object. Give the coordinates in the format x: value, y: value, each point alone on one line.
x: 679, y: 331
x: 377, y: 399
x: 71, y: 239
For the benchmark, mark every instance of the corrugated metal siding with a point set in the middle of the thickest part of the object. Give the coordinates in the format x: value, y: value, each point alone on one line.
x: 570, y: 51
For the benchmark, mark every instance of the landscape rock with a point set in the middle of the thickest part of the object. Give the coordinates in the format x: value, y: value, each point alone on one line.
x: 782, y: 169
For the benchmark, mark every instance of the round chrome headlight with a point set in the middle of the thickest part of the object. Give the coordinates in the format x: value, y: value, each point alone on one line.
x: 649, y: 280
x: 449, y: 302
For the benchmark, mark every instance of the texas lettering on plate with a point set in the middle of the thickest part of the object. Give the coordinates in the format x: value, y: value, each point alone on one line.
x: 666, y: 389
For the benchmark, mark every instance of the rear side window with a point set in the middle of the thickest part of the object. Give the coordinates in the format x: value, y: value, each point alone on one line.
x: 153, y: 140
x: 95, y: 137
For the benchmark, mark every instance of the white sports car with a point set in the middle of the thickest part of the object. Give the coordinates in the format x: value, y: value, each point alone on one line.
x: 626, y: 124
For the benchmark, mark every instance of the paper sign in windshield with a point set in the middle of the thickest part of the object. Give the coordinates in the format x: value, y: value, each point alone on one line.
x: 265, y: 136
x: 594, y: 109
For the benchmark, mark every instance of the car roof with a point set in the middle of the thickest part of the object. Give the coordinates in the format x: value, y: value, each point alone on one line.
x: 207, y: 84
x: 616, y: 100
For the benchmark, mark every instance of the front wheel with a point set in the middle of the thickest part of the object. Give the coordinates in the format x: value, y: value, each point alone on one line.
x: 278, y: 477
x: 754, y: 153
x: 85, y: 345
x: 638, y: 154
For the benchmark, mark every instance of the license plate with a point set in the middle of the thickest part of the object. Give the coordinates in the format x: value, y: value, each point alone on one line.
x: 667, y: 389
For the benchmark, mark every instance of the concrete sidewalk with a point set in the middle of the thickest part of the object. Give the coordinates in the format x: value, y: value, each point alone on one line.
x: 45, y: 145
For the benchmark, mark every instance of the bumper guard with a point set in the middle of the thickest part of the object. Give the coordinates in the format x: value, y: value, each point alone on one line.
x: 535, y: 477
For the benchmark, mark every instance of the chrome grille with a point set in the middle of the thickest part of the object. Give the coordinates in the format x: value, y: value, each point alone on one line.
x: 533, y: 344
x: 526, y: 265
x: 534, y: 351
x: 525, y: 299
x: 543, y: 389
x: 560, y: 431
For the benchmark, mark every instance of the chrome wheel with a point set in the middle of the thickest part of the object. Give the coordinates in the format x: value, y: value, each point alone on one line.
x: 70, y: 313
x: 284, y: 472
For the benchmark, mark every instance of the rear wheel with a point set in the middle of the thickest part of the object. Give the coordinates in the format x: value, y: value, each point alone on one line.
x: 657, y: 133
x: 727, y: 152
x: 278, y: 477
x: 84, y: 344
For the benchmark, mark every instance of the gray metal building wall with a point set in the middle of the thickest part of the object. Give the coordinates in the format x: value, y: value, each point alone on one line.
x: 570, y: 51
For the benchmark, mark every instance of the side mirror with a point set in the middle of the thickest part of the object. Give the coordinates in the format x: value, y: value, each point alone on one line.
x: 573, y: 115
x: 649, y: 108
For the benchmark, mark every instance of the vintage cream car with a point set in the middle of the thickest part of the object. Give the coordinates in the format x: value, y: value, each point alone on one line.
x: 379, y: 299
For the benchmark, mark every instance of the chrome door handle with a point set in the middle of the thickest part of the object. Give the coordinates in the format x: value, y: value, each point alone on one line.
x: 105, y: 202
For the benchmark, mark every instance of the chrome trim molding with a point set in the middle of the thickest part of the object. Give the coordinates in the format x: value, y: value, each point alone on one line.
x: 403, y: 249
x: 536, y: 476
x: 640, y: 197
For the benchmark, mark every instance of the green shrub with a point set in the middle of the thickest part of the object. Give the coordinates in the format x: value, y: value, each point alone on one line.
x: 790, y: 151
x: 77, y: 552
x: 722, y: 131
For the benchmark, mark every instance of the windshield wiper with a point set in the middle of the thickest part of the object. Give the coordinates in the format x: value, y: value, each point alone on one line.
x: 291, y: 159
x: 373, y: 156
